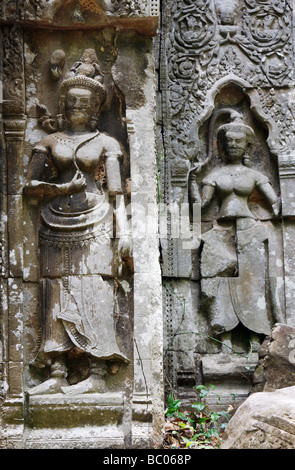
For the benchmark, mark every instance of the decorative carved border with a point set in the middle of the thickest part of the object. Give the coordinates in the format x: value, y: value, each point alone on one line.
x: 43, y: 10
x: 202, y: 47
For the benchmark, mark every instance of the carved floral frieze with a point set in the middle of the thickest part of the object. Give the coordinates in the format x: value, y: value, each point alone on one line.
x: 207, y: 40
x: 128, y: 7
x: 45, y: 9
x: 13, y: 83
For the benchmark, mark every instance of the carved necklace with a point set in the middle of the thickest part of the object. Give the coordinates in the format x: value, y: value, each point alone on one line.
x: 71, y: 139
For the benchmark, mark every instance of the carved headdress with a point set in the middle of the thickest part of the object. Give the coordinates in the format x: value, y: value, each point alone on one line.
x: 237, y: 125
x: 85, y: 74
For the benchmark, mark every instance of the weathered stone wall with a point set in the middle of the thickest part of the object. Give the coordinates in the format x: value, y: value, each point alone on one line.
x: 223, y: 292
x: 195, y: 157
x: 43, y: 44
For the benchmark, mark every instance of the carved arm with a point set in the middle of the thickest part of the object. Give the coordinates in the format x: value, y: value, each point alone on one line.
x: 268, y: 192
x: 207, y: 194
x: 114, y: 183
x: 113, y: 173
x: 38, y: 188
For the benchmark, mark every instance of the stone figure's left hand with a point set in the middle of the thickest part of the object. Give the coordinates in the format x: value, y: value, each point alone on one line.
x: 124, y: 251
x: 276, y: 208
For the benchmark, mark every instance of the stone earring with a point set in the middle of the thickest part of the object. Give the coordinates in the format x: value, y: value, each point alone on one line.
x: 61, y: 122
x: 93, y: 123
x: 247, y: 160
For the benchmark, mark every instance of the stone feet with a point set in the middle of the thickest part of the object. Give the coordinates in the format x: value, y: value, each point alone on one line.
x: 95, y: 383
x: 49, y: 387
x: 56, y: 381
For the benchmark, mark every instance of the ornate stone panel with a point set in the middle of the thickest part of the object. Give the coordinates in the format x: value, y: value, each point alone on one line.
x: 208, y: 41
x: 13, y: 127
x: 225, y: 63
x: 141, y: 15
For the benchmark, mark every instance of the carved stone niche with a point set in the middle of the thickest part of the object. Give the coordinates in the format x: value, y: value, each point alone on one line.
x: 239, y: 263
x: 81, y: 356
x: 221, y: 57
x: 75, y: 189
x: 237, y: 291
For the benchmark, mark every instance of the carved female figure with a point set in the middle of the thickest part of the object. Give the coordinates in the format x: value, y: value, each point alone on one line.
x: 234, y: 183
x: 235, y: 255
x: 76, y: 252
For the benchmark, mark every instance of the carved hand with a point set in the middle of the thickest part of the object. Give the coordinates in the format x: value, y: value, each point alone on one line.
x: 276, y: 207
x: 125, y: 247
x: 124, y: 250
x: 77, y: 184
x: 40, y: 188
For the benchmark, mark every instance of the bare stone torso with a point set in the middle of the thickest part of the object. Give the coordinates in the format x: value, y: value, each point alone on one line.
x: 233, y: 185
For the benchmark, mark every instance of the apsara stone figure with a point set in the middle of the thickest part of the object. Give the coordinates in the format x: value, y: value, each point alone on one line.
x: 236, y: 285
x: 78, y: 261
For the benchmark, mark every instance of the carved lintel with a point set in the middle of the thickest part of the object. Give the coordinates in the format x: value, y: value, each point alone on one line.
x: 211, y: 40
x: 125, y: 7
x: 179, y: 180
x: 45, y: 11
x: 18, y: 10
x: 10, y: 10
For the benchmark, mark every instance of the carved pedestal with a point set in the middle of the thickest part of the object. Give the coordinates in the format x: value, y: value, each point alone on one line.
x: 63, y: 422
x: 59, y: 421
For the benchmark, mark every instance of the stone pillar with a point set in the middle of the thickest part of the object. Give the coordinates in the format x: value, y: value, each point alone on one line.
x: 148, y: 391
x: 287, y: 175
x: 12, y: 144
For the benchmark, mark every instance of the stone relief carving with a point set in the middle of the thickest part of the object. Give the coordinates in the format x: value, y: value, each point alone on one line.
x: 207, y: 41
x: 127, y: 7
x: 57, y: 62
x: 45, y: 9
x: 76, y: 173
x: 23, y: 9
x: 59, y: 231
x: 237, y: 250
x: 215, y: 51
x: 13, y: 84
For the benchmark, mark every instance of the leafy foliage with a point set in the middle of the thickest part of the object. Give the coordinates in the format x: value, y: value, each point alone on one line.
x: 199, y: 427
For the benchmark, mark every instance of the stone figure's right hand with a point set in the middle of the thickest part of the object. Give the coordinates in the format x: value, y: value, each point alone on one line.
x: 78, y: 183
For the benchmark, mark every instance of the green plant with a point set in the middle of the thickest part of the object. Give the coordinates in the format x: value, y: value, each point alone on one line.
x: 204, y: 390
x: 199, y: 427
x: 173, y: 407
